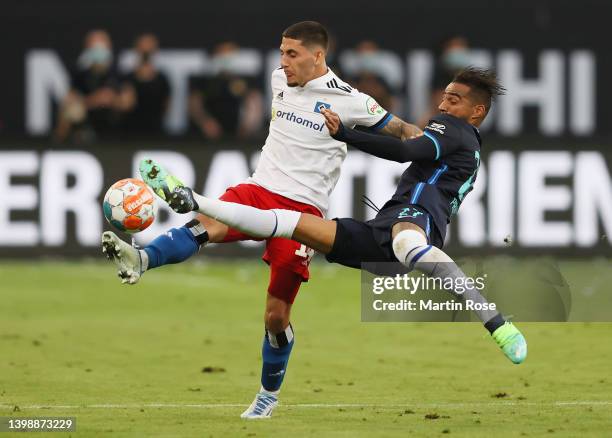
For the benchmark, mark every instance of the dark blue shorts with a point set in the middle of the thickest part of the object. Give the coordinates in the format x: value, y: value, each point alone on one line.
x: 360, y: 242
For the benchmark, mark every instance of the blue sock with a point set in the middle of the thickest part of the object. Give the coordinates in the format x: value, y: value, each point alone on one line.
x: 275, y: 358
x: 177, y: 245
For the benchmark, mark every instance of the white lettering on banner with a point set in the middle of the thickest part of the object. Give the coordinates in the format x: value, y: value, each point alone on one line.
x: 513, y: 195
x: 177, y: 164
x: 341, y: 200
x: 536, y: 198
x: 501, y: 198
x: 179, y: 65
x: 17, y: 197
x: 381, y: 181
x: 227, y: 169
x: 545, y: 92
x: 419, y: 70
x: 582, y: 92
x: 592, y: 199
x: 46, y: 81
x: 472, y: 229
x: 57, y: 197
x: 383, y: 63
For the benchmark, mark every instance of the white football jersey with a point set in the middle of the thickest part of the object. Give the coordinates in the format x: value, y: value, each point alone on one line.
x: 300, y: 160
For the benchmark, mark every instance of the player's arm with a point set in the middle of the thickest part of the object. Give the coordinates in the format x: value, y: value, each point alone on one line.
x: 364, y: 111
x: 395, y: 149
x: 396, y: 127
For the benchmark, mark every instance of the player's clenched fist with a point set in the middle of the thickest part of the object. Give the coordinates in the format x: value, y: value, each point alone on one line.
x: 332, y: 121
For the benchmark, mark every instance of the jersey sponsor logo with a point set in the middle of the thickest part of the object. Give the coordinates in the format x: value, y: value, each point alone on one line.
x: 374, y: 107
x: 293, y: 118
x: 321, y: 106
x: 438, y: 127
x: 334, y: 84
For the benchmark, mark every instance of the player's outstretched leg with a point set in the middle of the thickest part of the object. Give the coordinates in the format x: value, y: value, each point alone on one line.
x: 411, y: 249
x: 249, y: 220
x: 174, y: 246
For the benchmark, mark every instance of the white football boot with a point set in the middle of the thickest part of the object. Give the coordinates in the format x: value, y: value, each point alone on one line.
x: 126, y: 257
x: 262, y: 406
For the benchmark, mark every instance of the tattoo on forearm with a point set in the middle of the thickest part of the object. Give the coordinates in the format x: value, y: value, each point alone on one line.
x: 394, y: 127
x: 398, y: 128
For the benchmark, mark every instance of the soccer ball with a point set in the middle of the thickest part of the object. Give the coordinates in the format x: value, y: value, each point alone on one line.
x: 129, y: 205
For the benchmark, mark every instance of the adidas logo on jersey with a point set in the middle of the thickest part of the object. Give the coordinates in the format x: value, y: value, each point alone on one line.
x: 334, y: 84
x: 279, y: 96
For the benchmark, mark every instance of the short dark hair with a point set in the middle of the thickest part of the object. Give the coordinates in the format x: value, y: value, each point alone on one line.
x: 483, y: 83
x: 309, y: 33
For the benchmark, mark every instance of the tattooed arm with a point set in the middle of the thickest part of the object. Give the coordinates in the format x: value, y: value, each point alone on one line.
x: 396, y: 127
x: 402, y: 150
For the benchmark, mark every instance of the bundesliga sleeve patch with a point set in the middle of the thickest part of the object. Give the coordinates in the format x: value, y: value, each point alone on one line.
x: 374, y: 107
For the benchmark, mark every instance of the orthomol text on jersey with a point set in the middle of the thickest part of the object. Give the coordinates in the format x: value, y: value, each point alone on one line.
x: 292, y: 117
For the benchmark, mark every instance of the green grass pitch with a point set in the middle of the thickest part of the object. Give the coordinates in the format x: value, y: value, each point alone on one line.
x: 129, y: 361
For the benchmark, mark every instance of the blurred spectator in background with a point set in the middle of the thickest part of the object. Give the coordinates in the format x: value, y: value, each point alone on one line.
x: 226, y: 104
x: 375, y: 72
x: 89, y: 108
x: 145, y: 92
x: 453, y: 55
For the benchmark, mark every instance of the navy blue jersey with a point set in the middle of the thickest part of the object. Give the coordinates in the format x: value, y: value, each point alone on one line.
x: 445, y: 163
x: 439, y: 185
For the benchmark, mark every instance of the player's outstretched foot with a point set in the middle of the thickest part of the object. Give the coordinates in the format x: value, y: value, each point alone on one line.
x: 512, y: 342
x: 262, y: 406
x: 168, y: 187
x: 126, y: 257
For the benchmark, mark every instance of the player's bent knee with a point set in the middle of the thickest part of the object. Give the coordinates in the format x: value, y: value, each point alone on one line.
x: 276, y: 320
x: 406, y: 244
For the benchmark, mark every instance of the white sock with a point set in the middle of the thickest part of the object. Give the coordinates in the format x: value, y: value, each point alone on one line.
x: 263, y: 390
x: 408, y: 244
x: 144, y: 260
x: 411, y: 249
x: 250, y: 220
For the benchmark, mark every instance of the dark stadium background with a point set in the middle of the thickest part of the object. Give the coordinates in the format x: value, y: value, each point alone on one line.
x: 179, y: 353
x: 528, y: 27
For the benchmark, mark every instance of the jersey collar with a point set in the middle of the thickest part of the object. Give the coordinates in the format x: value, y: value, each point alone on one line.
x: 321, y: 80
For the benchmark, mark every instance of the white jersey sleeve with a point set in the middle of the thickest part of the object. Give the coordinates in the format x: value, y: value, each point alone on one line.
x: 365, y: 111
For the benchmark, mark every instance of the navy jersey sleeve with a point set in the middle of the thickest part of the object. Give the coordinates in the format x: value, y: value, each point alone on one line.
x: 444, y: 133
x: 442, y: 136
x: 389, y: 148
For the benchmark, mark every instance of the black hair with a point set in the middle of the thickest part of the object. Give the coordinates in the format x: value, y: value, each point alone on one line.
x: 309, y: 33
x: 483, y: 83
